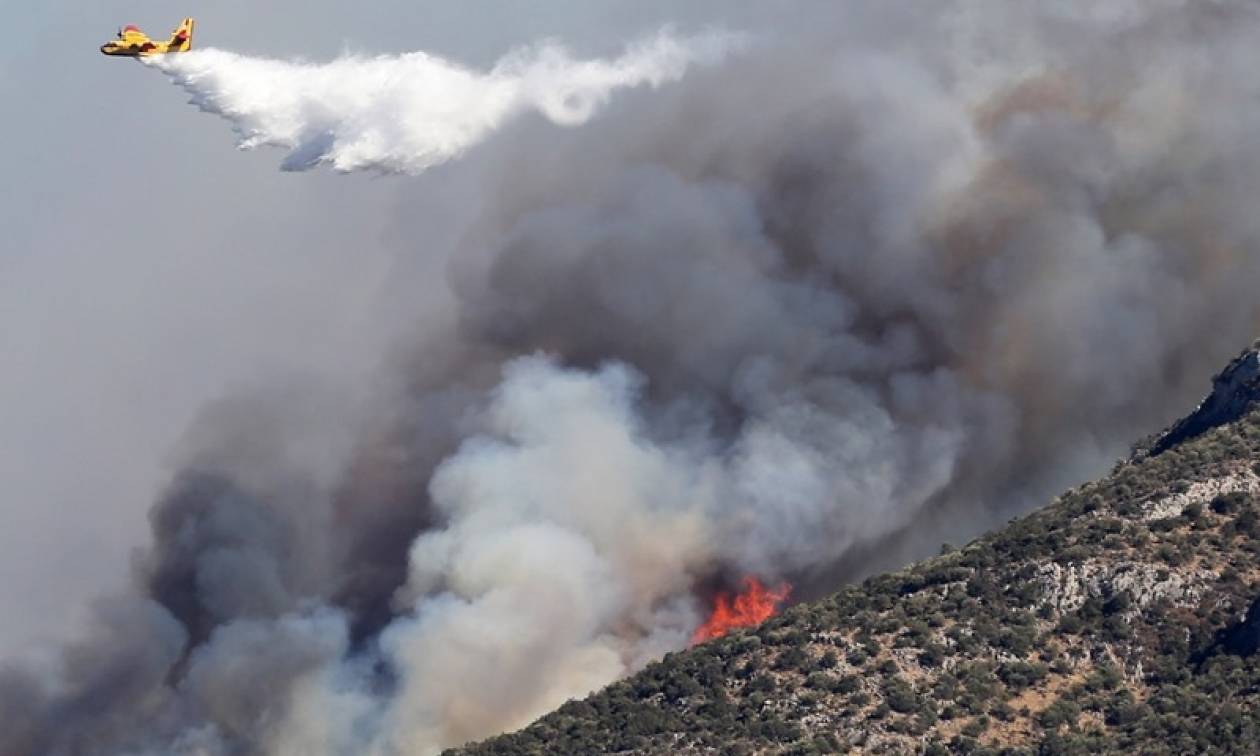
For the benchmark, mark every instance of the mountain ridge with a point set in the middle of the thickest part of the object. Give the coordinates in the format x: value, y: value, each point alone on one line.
x: 1122, y: 615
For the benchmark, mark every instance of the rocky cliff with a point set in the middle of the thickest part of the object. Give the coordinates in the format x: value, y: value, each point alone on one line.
x: 1234, y: 390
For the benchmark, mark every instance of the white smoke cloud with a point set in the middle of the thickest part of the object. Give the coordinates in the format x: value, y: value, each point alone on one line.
x: 410, y: 112
x: 571, y: 545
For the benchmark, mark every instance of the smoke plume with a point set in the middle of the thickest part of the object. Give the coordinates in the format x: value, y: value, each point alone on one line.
x: 802, y: 314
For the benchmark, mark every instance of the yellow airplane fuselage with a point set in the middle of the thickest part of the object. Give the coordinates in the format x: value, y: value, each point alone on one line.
x: 133, y: 43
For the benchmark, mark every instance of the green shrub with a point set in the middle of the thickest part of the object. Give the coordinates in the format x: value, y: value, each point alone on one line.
x: 1061, y: 712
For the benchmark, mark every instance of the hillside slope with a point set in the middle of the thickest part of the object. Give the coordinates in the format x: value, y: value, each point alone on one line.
x: 1116, y: 618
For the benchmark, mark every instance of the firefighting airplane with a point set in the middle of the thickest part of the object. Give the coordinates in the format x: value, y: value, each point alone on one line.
x: 133, y: 43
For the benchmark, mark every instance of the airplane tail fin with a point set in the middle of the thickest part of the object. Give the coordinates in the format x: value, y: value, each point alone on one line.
x: 181, y: 38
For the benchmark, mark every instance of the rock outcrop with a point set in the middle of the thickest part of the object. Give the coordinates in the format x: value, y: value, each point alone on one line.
x: 1244, y: 639
x: 1234, y: 389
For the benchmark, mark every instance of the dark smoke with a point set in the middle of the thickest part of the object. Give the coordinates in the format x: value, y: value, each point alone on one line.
x: 806, y: 314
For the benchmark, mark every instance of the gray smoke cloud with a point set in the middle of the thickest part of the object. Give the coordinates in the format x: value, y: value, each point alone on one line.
x: 803, y: 313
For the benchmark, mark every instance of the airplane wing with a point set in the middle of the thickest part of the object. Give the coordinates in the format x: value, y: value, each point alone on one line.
x: 131, y: 35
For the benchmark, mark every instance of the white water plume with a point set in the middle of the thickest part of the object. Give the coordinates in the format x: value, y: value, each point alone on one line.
x: 407, y: 113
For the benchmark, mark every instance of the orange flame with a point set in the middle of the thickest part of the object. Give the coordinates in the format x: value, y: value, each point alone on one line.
x: 756, y: 604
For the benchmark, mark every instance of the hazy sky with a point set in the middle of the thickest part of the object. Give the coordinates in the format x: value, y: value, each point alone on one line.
x: 146, y: 267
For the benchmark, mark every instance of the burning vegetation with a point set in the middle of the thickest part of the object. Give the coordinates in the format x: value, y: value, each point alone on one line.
x: 754, y: 605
